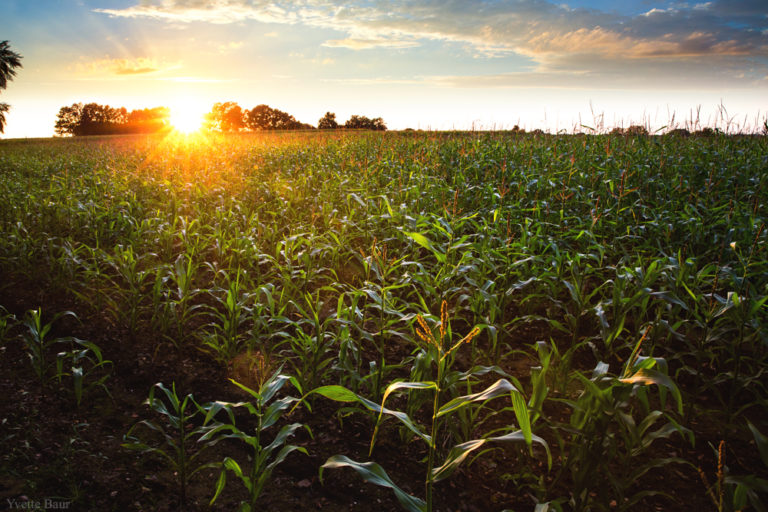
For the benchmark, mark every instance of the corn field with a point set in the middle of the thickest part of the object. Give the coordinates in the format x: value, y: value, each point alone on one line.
x: 414, y: 320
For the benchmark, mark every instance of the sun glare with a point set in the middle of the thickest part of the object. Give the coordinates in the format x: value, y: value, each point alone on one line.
x: 187, y: 117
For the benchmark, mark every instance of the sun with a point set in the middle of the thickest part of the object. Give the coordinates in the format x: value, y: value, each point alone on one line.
x: 187, y: 116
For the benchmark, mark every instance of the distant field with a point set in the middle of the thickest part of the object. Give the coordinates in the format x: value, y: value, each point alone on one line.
x: 610, y: 293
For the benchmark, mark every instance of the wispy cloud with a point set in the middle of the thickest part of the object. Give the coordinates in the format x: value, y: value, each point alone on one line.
x: 215, y: 11
x: 364, y: 44
x: 230, y: 47
x: 122, y: 67
x: 552, y: 35
x: 194, y: 79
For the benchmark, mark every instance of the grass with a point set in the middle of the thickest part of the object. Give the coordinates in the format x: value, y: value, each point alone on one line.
x: 318, y: 252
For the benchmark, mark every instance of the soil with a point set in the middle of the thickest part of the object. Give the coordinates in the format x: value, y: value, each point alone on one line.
x: 56, y: 455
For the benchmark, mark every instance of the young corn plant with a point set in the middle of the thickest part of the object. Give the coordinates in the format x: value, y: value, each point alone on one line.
x: 441, y: 351
x: 84, y: 363
x: 179, y: 296
x: 612, y: 425
x: 225, y: 335
x: 39, y: 344
x: 129, y: 284
x: 264, y: 458
x: 181, y: 442
x: 311, y: 353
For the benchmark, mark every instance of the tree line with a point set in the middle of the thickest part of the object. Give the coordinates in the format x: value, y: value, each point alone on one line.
x: 95, y: 119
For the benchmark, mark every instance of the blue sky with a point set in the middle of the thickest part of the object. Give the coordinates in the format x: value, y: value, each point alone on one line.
x: 416, y: 63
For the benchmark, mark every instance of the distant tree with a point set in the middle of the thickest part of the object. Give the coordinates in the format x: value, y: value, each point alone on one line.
x: 679, y: 132
x: 259, y: 118
x: 9, y: 61
x: 98, y: 119
x: 706, y: 132
x: 264, y: 117
x: 148, y: 120
x: 363, y: 123
x: 634, y: 130
x: 95, y: 119
x: 225, y: 117
x: 68, y: 119
x: 328, y: 122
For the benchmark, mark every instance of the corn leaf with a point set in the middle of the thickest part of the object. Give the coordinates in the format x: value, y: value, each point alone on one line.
x: 375, y: 474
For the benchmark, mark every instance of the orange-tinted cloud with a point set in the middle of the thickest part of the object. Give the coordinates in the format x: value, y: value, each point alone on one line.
x: 553, y: 36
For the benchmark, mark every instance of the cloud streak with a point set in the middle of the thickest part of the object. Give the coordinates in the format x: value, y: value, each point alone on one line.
x: 122, y: 67
x: 555, y: 37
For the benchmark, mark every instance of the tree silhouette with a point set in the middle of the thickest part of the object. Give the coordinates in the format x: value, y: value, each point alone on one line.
x: 328, y: 122
x: 149, y: 120
x: 9, y: 61
x: 363, y: 123
x: 264, y: 117
x: 95, y: 119
x: 68, y: 119
x: 225, y: 117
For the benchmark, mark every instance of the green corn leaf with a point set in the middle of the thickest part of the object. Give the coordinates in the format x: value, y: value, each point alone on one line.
x: 275, y: 410
x: 375, y: 474
x: 272, y: 386
x: 646, y: 377
x: 460, y: 452
x: 761, y: 441
x: 283, y: 453
x: 518, y: 436
x: 406, y: 385
x: 498, y: 388
x: 220, y: 484
x: 282, y: 436
x: 426, y: 243
x: 455, y: 457
x: 342, y: 394
x: 337, y: 393
x: 521, y: 413
x: 232, y: 465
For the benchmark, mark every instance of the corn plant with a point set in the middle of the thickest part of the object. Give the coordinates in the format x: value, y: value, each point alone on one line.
x: 264, y: 458
x: 311, y: 354
x: 605, y: 433
x: 225, y: 334
x: 174, y: 292
x: 177, y: 440
x: 84, y: 363
x: 442, y: 353
x: 39, y: 343
x: 129, y: 283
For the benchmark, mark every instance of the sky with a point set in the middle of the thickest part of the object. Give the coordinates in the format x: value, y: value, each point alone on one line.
x: 424, y: 64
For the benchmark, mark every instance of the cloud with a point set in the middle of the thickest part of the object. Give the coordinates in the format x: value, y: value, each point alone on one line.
x: 194, y: 79
x: 214, y: 11
x: 364, y: 44
x: 121, y: 67
x: 230, y: 47
x: 553, y: 36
